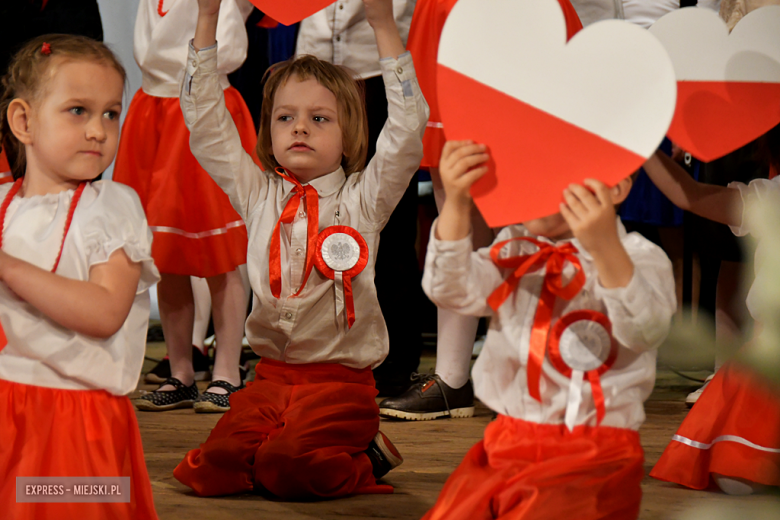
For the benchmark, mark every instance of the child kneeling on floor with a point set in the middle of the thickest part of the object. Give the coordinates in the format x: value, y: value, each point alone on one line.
x: 308, y: 427
x: 579, y: 308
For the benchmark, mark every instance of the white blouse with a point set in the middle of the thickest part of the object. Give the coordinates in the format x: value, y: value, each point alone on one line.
x: 460, y: 280
x: 756, y: 198
x: 108, y: 217
x: 163, y: 31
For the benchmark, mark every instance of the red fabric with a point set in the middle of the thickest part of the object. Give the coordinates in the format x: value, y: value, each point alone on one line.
x: 298, y: 431
x: 523, y: 471
x: 154, y: 158
x: 737, y: 403
x: 49, y: 432
x: 5, y: 169
x: 427, y: 24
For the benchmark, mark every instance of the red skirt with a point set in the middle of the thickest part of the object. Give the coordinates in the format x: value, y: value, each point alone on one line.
x: 734, y: 430
x: 196, y: 230
x: 298, y: 431
x: 49, y: 432
x: 5, y: 169
x: 424, y: 34
x: 524, y: 470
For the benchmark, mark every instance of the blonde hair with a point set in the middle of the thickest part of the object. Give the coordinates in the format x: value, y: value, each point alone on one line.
x: 27, y: 77
x: 349, y: 99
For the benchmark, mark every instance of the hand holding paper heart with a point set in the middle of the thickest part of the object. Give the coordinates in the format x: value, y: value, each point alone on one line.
x: 551, y: 113
x: 728, y: 86
x: 289, y: 12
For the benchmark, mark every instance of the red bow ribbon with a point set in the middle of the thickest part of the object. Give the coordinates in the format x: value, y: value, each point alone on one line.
x: 553, y: 258
x: 311, y: 201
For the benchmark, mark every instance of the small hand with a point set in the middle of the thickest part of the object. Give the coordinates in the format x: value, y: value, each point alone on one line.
x: 208, y: 7
x: 462, y: 164
x: 590, y: 213
x: 379, y: 12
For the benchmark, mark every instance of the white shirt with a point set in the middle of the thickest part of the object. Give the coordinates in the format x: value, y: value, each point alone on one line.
x: 640, y: 313
x: 640, y: 12
x: 340, y: 34
x: 756, y: 197
x: 108, y: 217
x: 160, y: 41
x: 306, y: 329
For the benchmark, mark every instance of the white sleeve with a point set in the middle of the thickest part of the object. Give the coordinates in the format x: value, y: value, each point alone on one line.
x: 641, y: 313
x: 757, y: 194
x: 117, y: 221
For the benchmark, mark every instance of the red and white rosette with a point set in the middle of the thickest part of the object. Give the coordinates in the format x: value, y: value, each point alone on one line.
x: 341, y: 254
x: 581, y: 345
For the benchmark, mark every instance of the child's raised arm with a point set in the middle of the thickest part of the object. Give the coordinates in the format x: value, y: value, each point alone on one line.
x: 214, y: 139
x: 379, y: 14
x: 97, y: 307
x: 462, y: 164
x: 716, y: 203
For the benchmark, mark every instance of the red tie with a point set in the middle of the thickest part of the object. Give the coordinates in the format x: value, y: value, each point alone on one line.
x: 553, y: 258
x: 311, y: 201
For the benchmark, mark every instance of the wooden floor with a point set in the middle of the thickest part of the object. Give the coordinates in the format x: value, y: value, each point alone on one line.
x: 431, y: 451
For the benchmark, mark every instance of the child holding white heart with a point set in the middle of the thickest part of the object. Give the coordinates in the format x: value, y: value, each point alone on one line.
x: 578, y: 310
x: 308, y: 426
x: 719, y: 438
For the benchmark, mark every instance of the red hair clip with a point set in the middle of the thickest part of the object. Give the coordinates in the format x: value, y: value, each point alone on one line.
x: 46, y: 48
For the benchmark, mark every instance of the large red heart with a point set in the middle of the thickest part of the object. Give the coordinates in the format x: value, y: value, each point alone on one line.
x: 551, y: 113
x: 288, y: 12
x: 728, y: 85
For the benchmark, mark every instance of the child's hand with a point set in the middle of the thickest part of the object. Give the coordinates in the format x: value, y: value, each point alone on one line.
x: 379, y: 12
x: 462, y: 164
x: 208, y: 7
x: 591, y: 215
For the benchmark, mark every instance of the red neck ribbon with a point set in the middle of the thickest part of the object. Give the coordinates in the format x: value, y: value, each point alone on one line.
x: 553, y: 258
x: 311, y: 203
x: 71, y: 209
x: 160, y: 9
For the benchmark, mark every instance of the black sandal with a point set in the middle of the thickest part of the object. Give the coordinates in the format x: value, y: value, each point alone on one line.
x: 209, y: 402
x: 157, y: 401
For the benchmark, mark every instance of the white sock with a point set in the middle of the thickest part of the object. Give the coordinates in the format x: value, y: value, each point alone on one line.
x: 202, y: 299
x: 456, y: 334
x: 737, y: 486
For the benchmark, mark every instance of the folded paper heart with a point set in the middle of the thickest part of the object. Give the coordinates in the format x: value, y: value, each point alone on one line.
x: 288, y: 12
x: 551, y: 113
x: 728, y: 86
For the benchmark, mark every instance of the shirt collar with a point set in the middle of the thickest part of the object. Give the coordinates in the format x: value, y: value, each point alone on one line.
x: 326, y: 185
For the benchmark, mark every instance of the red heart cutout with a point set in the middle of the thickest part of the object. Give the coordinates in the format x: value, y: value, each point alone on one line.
x: 551, y: 113
x: 289, y: 12
x: 728, y: 85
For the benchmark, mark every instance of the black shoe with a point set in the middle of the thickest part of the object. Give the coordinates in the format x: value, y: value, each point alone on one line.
x: 162, y: 370
x: 428, y: 398
x: 157, y: 401
x: 383, y: 454
x: 209, y: 402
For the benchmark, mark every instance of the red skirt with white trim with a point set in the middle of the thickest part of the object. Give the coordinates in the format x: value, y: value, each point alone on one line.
x: 196, y: 230
x: 49, y: 432
x: 5, y: 169
x: 528, y: 471
x: 733, y: 430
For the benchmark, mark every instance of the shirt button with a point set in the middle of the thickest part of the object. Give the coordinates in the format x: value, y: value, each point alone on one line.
x: 341, y: 6
x: 288, y: 315
x: 338, y: 38
x: 194, y: 63
x: 399, y: 70
x: 298, y: 251
x: 301, y: 214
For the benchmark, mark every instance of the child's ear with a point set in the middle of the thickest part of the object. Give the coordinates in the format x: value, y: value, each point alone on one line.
x: 621, y: 190
x: 19, y: 115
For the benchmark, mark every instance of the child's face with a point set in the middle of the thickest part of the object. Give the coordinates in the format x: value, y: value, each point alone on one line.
x: 74, y: 126
x: 553, y: 227
x: 306, y: 135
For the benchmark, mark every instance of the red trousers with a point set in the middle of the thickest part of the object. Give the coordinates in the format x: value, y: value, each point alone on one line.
x: 524, y: 470
x: 49, y: 432
x: 298, y: 431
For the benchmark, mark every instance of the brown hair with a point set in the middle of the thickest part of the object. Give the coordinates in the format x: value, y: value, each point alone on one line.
x: 29, y: 72
x: 349, y: 98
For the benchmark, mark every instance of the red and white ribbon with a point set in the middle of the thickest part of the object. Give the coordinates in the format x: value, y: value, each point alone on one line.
x: 341, y: 254
x: 581, y: 345
x: 553, y: 259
